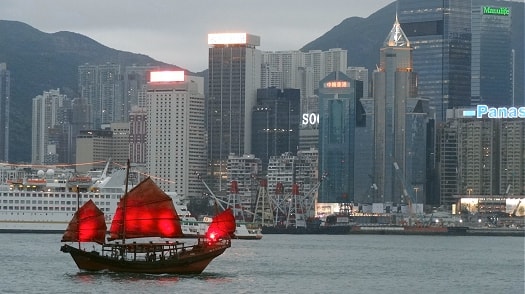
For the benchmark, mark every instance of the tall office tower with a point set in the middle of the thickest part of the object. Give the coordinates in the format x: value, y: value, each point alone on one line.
x: 47, y: 127
x: 439, y: 32
x: 137, y: 135
x: 110, y: 105
x: 307, y: 171
x: 491, y: 82
x: 275, y: 123
x: 281, y: 69
x: 176, y: 143
x: 5, y: 81
x: 338, y: 99
x: 88, y: 89
x: 400, y: 127
x: 234, y: 77
x: 244, y: 170
x: 361, y: 74
x: 481, y: 156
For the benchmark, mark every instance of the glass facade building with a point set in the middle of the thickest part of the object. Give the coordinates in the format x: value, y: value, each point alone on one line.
x: 234, y: 66
x: 491, y: 53
x: 338, y: 106
x: 275, y: 123
x: 439, y: 32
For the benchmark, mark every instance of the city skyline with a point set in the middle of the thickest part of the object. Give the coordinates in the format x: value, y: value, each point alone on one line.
x: 282, y: 25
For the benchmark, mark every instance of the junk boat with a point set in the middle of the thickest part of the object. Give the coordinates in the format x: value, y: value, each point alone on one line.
x: 145, y: 213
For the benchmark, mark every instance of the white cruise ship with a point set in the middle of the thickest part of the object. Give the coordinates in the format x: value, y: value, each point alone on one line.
x: 46, y: 202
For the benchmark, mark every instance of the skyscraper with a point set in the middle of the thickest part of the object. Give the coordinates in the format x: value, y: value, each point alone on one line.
x: 439, y: 32
x: 47, y: 127
x: 491, y: 53
x: 275, y: 126
x: 400, y: 123
x: 338, y: 100
x: 176, y: 144
x: 234, y: 77
x: 5, y: 81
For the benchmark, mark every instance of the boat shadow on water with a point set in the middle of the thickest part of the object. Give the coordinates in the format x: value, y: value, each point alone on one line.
x: 96, y: 277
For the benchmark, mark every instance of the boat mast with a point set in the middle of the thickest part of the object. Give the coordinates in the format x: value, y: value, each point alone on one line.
x: 123, y: 225
x: 78, y: 208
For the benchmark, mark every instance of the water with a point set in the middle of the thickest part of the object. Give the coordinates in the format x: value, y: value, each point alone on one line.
x: 33, y: 263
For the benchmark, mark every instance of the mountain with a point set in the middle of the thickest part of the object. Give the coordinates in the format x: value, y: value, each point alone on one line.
x: 40, y: 61
x: 363, y: 37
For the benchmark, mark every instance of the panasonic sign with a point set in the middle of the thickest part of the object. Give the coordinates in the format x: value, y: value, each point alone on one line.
x: 496, y: 112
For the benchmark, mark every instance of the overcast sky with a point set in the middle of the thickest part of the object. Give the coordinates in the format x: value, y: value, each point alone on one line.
x: 175, y: 31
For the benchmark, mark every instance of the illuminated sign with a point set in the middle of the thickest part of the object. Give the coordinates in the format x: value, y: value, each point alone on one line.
x: 505, y: 11
x: 310, y: 119
x: 166, y: 76
x: 337, y: 84
x: 227, y: 38
x: 484, y: 111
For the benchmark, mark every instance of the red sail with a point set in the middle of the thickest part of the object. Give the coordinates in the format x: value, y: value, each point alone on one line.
x: 146, y: 211
x: 88, y: 225
x: 222, y: 225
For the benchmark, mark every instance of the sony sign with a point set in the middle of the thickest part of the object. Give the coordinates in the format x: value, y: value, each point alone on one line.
x: 310, y: 119
x: 499, y: 112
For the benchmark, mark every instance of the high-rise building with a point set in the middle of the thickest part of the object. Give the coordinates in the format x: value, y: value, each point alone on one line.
x: 102, y: 86
x: 48, y: 123
x: 234, y: 77
x: 176, y: 143
x: 5, y: 92
x: 244, y: 170
x: 137, y: 135
x: 94, y: 148
x: 400, y: 124
x: 491, y: 53
x: 135, y: 80
x: 275, y: 125
x: 481, y: 156
x: 338, y: 100
x: 439, y: 31
x: 361, y: 74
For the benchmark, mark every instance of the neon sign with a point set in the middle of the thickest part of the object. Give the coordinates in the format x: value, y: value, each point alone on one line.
x: 499, y: 112
x: 337, y: 84
x: 504, y: 11
x: 167, y: 76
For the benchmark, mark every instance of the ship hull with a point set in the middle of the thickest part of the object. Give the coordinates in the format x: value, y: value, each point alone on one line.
x: 189, y: 263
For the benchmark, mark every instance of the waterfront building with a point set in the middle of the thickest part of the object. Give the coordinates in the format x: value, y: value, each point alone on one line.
x: 5, y: 92
x: 121, y: 141
x: 244, y: 170
x: 176, y: 144
x: 94, y: 148
x: 338, y: 100
x: 481, y: 156
x: 491, y: 54
x: 439, y: 31
x: 400, y: 124
x: 49, y: 128
x: 275, y: 123
x: 234, y: 76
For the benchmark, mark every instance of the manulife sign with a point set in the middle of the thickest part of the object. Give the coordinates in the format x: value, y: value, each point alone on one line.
x: 505, y: 11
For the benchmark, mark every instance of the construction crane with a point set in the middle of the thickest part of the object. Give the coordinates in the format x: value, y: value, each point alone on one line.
x: 406, y: 196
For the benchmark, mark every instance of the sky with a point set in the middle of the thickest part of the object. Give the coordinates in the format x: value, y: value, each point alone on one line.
x: 176, y: 31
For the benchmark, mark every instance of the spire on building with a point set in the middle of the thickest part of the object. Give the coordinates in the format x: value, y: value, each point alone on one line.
x: 396, y: 37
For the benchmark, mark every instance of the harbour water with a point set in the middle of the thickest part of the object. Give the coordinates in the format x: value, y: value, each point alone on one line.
x: 33, y: 263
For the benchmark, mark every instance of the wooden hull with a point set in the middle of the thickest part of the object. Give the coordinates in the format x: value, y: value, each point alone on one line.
x: 191, y: 262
